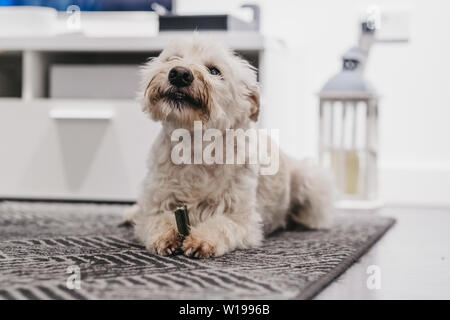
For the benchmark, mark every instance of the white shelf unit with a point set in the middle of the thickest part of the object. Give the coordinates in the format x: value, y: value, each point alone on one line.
x: 82, y: 149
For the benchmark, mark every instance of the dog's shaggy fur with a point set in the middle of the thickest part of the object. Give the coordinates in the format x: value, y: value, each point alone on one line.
x: 230, y: 206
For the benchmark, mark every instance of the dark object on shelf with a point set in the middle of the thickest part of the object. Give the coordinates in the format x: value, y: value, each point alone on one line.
x: 220, y: 22
x: 182, y: 218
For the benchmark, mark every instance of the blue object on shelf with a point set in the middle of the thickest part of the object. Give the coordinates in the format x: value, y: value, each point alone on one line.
x: 92, y: 5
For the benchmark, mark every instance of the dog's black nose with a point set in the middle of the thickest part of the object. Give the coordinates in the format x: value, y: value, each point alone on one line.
x: 180, y: 77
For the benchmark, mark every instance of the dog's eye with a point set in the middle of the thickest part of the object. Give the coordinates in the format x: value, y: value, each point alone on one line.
x: 214, y: 71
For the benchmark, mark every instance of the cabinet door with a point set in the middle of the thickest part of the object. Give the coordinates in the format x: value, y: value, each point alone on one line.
x: 73, y: 149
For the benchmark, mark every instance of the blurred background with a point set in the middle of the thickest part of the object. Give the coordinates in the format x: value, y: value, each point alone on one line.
x: 61, y: 139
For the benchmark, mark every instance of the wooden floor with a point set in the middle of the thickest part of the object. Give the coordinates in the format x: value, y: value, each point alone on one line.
x: 413, y: 260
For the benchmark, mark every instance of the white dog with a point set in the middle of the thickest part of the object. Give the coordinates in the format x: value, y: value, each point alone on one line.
x: 230, y: 206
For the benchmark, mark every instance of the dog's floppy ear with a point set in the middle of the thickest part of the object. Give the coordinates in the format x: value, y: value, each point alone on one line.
x: 147, y: 74
x: 253, y: 96
x: 250, y: 84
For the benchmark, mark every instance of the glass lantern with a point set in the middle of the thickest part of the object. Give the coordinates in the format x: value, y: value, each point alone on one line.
x: 348, y: 118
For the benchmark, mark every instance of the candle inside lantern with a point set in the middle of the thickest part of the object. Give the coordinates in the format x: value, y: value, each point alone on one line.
x: 345, y: 165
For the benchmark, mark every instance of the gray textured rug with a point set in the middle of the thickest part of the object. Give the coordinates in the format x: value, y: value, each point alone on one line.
x: 39, y: 241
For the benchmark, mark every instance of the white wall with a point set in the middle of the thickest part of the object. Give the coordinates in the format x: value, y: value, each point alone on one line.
x: 413, y: 79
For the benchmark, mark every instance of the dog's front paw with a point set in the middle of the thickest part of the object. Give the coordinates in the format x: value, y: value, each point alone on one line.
x: 167, y: 243
x: 195, y: 246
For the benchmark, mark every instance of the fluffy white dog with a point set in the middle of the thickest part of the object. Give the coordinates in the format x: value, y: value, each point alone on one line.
x: 231, y: 206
